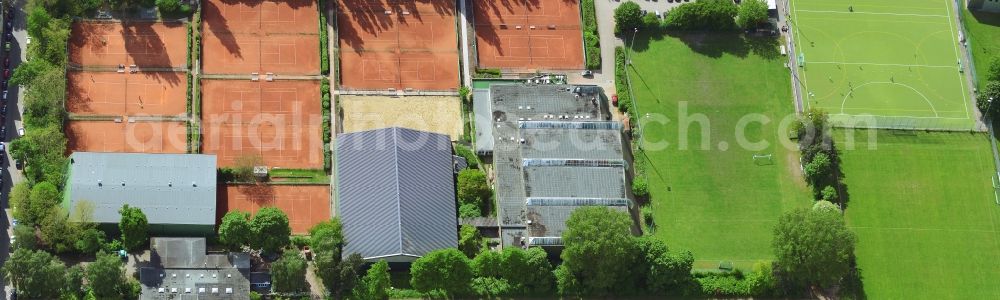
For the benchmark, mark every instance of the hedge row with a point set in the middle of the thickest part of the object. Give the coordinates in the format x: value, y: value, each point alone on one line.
x: 591, y: 38
x: 324, y: 50
x: 325, y: 100
x: 487, y: 73
x: 621, y: 81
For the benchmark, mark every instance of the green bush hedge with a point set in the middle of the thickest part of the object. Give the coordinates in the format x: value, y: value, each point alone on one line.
x: 487, y: 73
x: 591, y: 38
x: 621, y: 81
x: 324, y: 49
x: 327, y: 131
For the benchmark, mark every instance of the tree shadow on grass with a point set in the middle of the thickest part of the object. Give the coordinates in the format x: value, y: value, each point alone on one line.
x: 712, y: 44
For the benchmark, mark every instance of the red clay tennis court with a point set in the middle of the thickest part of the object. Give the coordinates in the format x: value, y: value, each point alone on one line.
x: 520, y: 34
x: 398, y: 44
x: 142, y: 93
x: 145, y: 44
x: 125, y: 136
x: 285, y: 16
x: 228, y: 53
x: 280, y: 121
x: 306, y: 205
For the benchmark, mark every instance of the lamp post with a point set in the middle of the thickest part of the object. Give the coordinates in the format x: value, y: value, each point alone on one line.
x: 632, y: 45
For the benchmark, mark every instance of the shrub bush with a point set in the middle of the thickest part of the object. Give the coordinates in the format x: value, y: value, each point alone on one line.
x: 324, y: 49
x: 465, y: 152
x: 703, y: 15
x: 591, y: 37
x: 640, y: 188
x: 621, y: 84
x: 487, y: 73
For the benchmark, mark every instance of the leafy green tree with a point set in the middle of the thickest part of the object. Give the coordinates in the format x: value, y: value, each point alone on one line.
x: 469, y: 210
x: 751, y: 13
x: 818, y: 169
x: 993, y: 73
x: 43, y: 101
x: 488, y: 264
x: 813, y: 247
x: 270, y: 229
x: 650, y: 20
x: 703, y: 15
x: 445, y: 270
x: 58, y: 233
x: 134, y: 228
x: 234, y: 231
x: 663, y: 271
x: 34, y: 273
x: 491, y: 287
x: 74, y: 282
x: 761, y: 280
x: 473, y: 189
x: 469, y: 240
x: 527, y: 271
x: 327, y: 236
x: 346, y: 276
x: 44, y: 147
x: 598, y: 252
x: 29, y: 71
x: 628, y: 15
x: 990, y: 91
x: 288, y: 273
x: 168, y: 6
x: 90, y: 241
x: 24, y: 236
x: 376, y: 283
x: 105, y: 275
x: 37, y: 18
x: 36, y: 206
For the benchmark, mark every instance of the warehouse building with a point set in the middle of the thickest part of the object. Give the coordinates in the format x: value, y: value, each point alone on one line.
x: 396, y: 193
x: 555, y: 149
x: 175, y: 191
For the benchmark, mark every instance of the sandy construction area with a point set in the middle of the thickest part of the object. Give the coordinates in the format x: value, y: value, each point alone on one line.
x: 439, y: 114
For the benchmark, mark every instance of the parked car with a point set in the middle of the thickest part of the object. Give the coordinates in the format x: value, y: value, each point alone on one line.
x: 3, y: 133
x: 6, y: 62
x: 20, y: 131
x: 27, y: 40
x: 5, y: 85
x: 587, y: 73
x: 6, y: 73
x: 3, y: 109
x: 614, y: 99
x: 5, y: 95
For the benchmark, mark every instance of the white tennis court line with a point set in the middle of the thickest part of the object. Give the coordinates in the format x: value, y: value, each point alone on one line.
x: 869, y: 13
x: 877, y: 64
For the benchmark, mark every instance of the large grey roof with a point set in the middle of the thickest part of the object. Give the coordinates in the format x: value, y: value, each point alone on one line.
x: 396, y: 192
x: 556, y: 142
x: 182, y: 268
x: 169, y: 188
x: 483, y: 108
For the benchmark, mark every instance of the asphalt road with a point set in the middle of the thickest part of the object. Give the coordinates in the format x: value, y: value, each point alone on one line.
x: 10, y: 174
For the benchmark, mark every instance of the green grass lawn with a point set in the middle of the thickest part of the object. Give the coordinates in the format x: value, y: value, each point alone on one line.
x: 298, y: 176
x: 716, y: 203
x: 983, y: 31
x: 895, y: 63
x: 922, y: 206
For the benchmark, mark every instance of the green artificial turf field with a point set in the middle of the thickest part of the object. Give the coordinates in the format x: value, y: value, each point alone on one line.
x: 923, y: 208
x: 886, y: 64
x: 716, y: 202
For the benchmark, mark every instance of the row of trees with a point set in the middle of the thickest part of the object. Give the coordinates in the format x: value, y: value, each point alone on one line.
x: 719, y: 15
x: 991, y: 92
x: 475, y: 197
x: 268, y: 230
x: 820, y: 161
x: 39, y: 275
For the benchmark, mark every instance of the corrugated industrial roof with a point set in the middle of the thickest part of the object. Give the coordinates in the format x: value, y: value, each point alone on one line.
x: 396, y: 192
x: 169, y: 188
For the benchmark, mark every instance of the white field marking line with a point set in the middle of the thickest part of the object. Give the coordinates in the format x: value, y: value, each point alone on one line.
x: 883, y: 116
x: 958, y: 59
x: 923, y: 229
x: 881, y: 65
x: 804, y: 77
x: 902, y: 110
x: 870, y: 13
x: 844, y: 102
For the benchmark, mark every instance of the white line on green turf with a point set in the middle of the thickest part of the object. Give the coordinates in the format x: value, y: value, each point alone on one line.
x: 909, y: 117
x: 876, y: 64
x: 844, y: 102
x: 923, y: 229
x: 870, y: 13
x: 958, y: 58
